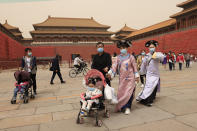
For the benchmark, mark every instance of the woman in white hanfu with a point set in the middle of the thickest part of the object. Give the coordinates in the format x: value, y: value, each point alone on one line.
x: 150, y: 67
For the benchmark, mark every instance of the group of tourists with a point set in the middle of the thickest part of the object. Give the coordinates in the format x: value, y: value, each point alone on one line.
x: 130, y: 71
x: 171, y: 58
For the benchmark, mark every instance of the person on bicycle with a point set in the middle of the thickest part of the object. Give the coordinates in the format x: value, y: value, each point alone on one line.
x: 78, y: 62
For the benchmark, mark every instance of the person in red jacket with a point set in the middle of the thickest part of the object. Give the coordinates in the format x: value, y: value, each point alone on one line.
x: 180, y: 60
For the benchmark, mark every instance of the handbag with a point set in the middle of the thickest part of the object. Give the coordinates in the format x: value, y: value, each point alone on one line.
x: 51, y: 67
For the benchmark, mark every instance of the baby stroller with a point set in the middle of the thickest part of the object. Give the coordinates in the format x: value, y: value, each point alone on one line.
x: 23, y: 87
x: 96, y: 108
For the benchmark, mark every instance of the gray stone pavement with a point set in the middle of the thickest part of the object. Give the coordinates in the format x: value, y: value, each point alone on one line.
x: 56, y: 106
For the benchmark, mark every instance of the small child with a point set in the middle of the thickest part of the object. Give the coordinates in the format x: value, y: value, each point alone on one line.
x: 92, y: 94
x: 20, y: 87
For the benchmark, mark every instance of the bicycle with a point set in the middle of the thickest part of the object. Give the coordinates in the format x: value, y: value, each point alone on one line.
x: 74, y: 72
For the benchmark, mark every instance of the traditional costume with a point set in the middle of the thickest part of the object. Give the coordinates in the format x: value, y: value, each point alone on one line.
x: 127, y: 67
x: 150, y: 67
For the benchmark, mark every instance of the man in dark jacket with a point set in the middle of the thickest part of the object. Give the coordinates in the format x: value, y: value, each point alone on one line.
x: 56, y: 69
x: 29, y: 64
x: 102, y: 61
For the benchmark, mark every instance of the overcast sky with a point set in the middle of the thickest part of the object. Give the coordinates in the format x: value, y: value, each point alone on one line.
x: 115, y: 13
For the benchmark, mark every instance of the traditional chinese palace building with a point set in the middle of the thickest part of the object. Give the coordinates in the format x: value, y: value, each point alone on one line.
x: 67, y: 36
x: 66, y: 31
x: 123, y: 32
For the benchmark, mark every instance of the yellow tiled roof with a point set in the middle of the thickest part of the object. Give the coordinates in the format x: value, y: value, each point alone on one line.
x: 71, y: 22
x: 184, y: 11
x: 69, y: 32
x: 184, y: 3
x: 153, y: 27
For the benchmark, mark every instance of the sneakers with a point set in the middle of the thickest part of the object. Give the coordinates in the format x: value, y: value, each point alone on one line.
x: 149, y: 104
x: 35, y: 93
x: 127, y: 111
x: 142, y: 86
x: 63, y: 82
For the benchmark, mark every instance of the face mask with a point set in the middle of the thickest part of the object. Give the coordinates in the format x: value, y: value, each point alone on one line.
x: 91, y: 89
x: 123, y: 51
x: 29, y: 53
x: 143, y: 53
x: 100, y: 50
x: 152, y: 50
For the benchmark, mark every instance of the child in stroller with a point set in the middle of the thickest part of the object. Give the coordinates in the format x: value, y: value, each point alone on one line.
x: 23, y: 87
x: 93, y: 100
x: 92, y: 94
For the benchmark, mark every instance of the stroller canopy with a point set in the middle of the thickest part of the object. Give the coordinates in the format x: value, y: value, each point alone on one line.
x: 95, y: 74
x: 24, y: 76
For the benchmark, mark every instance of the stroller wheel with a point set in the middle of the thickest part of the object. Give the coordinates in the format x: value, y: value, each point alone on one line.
x: 107, y: 114
x: 25, y: 100
x: 81, y: 120
x: 32, y: 97
x: 99, y: 123
x: 13, y: 101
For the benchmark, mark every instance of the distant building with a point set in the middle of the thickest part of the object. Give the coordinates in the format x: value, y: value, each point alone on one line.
x: 14, y: 30
x: 66, y: 31
x: 123, y: 32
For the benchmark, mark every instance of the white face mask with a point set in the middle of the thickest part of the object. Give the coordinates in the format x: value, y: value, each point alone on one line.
x: 123, y: 51
x: 152, y: 50
x: 29, y: 53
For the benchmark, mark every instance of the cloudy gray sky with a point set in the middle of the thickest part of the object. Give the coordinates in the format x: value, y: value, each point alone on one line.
x: 135, y: 13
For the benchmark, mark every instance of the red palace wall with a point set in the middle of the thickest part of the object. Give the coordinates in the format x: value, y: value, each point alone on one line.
x: 11, y: 50
x: 184, y: 41
x: 86, y: 51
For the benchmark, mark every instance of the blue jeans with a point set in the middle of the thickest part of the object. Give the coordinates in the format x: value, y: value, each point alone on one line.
x: 16, y: 90
x: 129, y: 103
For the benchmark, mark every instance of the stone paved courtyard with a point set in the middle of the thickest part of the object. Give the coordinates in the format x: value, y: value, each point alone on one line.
x: 56, y: 106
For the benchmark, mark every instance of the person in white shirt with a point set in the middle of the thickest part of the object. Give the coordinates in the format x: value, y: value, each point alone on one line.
x: 77, y: 62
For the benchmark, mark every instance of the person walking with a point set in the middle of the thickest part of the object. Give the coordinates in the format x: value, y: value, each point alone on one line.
x: 187, y: 59
x: 102, y: 61
x: 164, y: 62
x: 56, y: 69
x: 139, y: 63
x: 29, y: 64
x: 180, y: 60
x: 127, y: 66
x: 150, y: 66
x: 170, y: 59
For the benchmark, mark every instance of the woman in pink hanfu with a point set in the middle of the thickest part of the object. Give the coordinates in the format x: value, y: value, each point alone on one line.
x: 127, y: 68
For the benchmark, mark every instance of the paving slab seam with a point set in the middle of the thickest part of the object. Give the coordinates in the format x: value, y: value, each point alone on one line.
x: 147, y: 123
x: 165, y: 110
x: 20, y: 126
x: 185, y: 124
x: 187, y: 114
